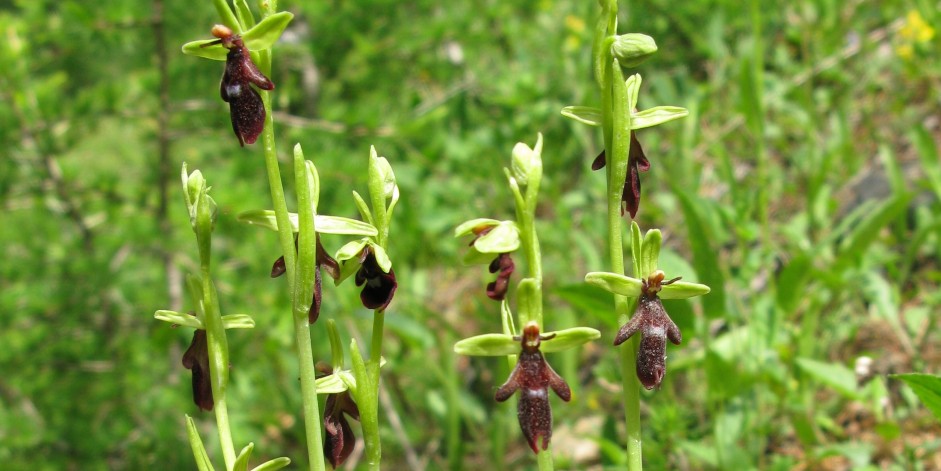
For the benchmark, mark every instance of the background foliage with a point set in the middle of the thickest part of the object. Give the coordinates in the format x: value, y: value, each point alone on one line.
x: 804, y: 188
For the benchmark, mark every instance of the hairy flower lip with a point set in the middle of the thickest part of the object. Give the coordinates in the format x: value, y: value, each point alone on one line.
x: 196, y: 358
x: 378, y: 286
x: 339, y: 439
x: 322, y: 260
x: 655, y: 327
x: 636, y: 162
x: 533, y: 376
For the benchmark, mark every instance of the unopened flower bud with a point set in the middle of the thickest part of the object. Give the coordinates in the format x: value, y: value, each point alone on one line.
x: 633, y: 48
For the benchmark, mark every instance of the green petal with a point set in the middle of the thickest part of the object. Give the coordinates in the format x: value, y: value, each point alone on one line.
x: 469, y: 226
x: 350, y: 250
x: 267, y: 31
x: 335, y: 383
x: 566, y: 339
x: 657, y: 115
x: 488, y: 345
x: 682, y: 290
x: 382, y: 258
x: 614, y: 283
x: 583, y: 114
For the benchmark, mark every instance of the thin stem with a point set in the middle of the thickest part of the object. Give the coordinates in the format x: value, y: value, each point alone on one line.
x: 218, y: 347
x: 544, y: 459
x: 369, y: 403
x: 305, y: 356
x: 225, y: 432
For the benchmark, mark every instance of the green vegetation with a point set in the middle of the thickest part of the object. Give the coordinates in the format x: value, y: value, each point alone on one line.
x: 803, y: 189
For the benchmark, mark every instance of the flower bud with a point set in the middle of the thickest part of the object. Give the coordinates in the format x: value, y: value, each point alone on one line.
x: 633, y: 48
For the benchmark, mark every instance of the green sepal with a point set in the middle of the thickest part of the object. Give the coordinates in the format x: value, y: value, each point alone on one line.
x: 351, y: 249
x: 583, y: 114
x: 324, y: 224
x: 503, y: 238
x: 199, y: 451
x: 650, y: 252
x: 488, y: 345
x: 363, y: 208
x: 468, y: 227
x: 633, y: 91
x: 241, y: 462
x: 238, y: 321
x: 261, y: 36
x: 495, y: 345
x: 615, y: 283
x: 636, y: 247
x: 335, y: 383
x: 657, y: 115
x: 179, y: 318
x: 273, y: 465
x: 382, y: 258
x: 566, y: 339
x: 244, y: 14
x: 632, y: 49
x: 683, y: 290
x: 337, y: 358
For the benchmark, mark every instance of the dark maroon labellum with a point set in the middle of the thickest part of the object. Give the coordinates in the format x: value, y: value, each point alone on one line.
x: 196, y: 359
x: 502, y: 265
x: 655, y: 327
x: 339, y: 440
x: 378, y: 286
x: 533, y: 377
x: 636, y: 162
x: 245, y: 106
x: 323, y: 260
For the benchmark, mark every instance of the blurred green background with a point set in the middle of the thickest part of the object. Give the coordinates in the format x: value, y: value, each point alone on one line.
x: 803, y: 187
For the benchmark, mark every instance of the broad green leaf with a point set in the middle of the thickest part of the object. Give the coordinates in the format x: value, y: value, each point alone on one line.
x: 503, y: 238
x: 650, y: 252
x: 267, y: 31
x: 241, y: 462
x: 614, y: 283
x: 178, y: 318
x: 201, y: 48
x: 682, y: 290
x: 835, y: 375
x: 657, y: 115
x: 238, y: 321
x: 492, y: 345
x: 927, y: 388
x: 705, y: 259
x: 583, y: 114
x: 791, y: 281
x: 323, y: 224
x: 861, y: 236
x: 199, y: 451
x: 273, y: 465
x: 566, y: 339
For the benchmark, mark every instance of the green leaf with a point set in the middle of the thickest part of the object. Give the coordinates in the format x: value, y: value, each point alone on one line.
x: 614, y: 283
x: 682, y: 290
x: 503, y: 238
x: 930, y: 160
x: 566, y: 339
x: 861, y: 236
x: 273, y: 465
x: 324, y: 224
x: 650, y: 253
x: 241, y: 462
x: 178, y: 318
x: 705, y: 260
x: 199, y: 451
x: 267, y: 31
x: 200, y: 48
x: 238, y: 321
x: 835, y: 375
x: 657, y: 115
x: 926, y: 387
x: 492, y: 345
x: 583, y: 114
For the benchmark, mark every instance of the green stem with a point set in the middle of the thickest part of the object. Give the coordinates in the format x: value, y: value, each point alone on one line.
x: 369, y: 399
x: 544, y: 459
x: 616, y: 127
x: 305, y: 356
